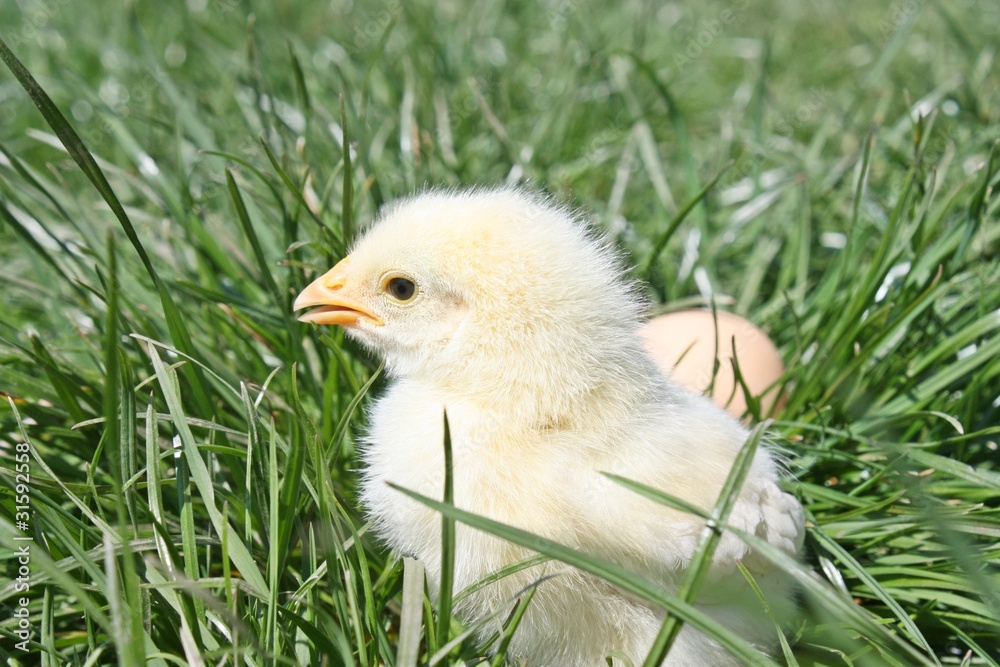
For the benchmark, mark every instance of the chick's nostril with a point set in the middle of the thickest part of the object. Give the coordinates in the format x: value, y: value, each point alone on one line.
x: 334, y: 283
x: 336, y: 278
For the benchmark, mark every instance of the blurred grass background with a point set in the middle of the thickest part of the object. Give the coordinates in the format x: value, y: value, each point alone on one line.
x: 852, y: 218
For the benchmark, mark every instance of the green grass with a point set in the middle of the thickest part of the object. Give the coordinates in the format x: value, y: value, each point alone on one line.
x: 192, y: 449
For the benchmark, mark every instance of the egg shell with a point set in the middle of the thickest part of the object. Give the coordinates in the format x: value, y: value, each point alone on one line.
x: 684, y: 344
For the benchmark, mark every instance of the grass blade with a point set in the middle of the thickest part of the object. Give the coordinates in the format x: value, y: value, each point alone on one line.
x: 447, y: 543
x: 262, y: 265
x: 667, y: 234
x: 709, y: 540
x: 510, y: 627
x: 610, y: 572
x: 411, y: 613
x: 202, y: 480
x: 78, y: 151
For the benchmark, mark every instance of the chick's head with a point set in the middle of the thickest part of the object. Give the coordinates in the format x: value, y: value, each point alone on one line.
x: 488, y: 292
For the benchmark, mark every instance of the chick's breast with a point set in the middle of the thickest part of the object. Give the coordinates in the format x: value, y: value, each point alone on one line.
x: 509, y: 484
x: 549, y: 483
x: 574, y: 619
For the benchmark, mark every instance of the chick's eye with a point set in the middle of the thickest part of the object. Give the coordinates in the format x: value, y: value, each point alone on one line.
x: 401, y: 289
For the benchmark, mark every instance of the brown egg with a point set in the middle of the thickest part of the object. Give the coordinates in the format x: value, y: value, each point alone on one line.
x: 684, y: 345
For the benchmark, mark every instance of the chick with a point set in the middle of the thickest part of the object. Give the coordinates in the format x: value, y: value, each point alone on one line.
x: 509, y: 311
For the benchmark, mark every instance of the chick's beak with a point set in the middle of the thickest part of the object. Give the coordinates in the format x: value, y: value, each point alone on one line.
x: 331, y: 293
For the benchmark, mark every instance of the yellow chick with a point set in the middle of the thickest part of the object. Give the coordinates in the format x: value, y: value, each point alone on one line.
x: 515, y: 315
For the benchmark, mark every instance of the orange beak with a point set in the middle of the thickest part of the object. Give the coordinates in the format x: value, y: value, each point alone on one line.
x: 334, y: 305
